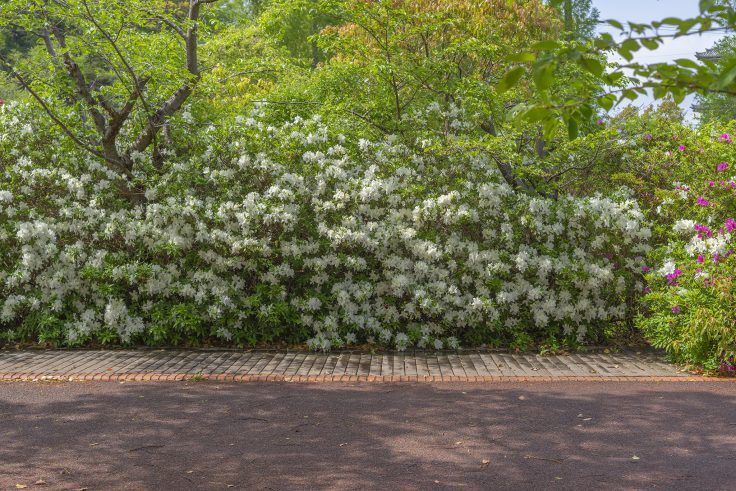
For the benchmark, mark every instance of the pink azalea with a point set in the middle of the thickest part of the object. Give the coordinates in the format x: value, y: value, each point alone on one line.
x: 676, y: 309
x: 681, y: 148
x: 701, y: 259
x: 722, y: 166
x: 702, y: 201
x: 725, y: 137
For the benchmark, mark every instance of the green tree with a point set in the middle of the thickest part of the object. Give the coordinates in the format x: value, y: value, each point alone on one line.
x: 110, y: 75
x: 579, y: 16
x: 715, y: 106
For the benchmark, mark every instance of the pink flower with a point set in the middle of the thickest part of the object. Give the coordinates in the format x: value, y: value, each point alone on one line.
x: 648, y: 136
x: 701, y: 259
x: 672, y: 277
x: 711, y: 184
x: 730, y: 224
x: 725, y: 137
x: 702, y: 201
x: 681, y: 148
x: 703, y: 231
x: 647, y: 289
x: 722, y: 166
x: 676, y: 310
x: 599, y: 122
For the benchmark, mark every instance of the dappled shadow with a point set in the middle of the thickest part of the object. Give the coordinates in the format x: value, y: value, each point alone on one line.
x: 295, y: 436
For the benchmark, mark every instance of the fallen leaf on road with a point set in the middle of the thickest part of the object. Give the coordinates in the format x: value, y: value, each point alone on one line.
x: 587, y: 419
x: 93, y: 444
x: 458, y: 443
x: 20, y: 486
x: 521, y: 398
x: 634, y: 458
x: 485, y: 461
x: 40, y: 482
x: 343, y: 444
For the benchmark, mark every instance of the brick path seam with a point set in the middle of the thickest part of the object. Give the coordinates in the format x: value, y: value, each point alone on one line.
x: 297, y: 366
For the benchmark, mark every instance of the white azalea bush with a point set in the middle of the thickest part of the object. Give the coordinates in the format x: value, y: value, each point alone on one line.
x: 292, y: 234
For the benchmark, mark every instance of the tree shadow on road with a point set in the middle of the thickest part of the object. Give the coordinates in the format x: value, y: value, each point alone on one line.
x: 391, y: 436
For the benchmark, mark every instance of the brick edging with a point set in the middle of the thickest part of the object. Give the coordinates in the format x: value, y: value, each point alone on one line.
x: 178, y: 377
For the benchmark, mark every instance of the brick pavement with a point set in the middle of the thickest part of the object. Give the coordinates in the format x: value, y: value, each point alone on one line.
x: 297, y: 366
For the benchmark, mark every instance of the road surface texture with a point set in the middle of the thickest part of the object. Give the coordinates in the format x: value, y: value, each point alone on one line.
x: 214, y: 435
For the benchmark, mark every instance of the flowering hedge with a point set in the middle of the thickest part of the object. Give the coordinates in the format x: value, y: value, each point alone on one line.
x: 691, y: 297
x: 292, y: 234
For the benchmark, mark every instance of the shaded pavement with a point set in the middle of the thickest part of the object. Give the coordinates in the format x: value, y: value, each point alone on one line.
x: 209, y: 435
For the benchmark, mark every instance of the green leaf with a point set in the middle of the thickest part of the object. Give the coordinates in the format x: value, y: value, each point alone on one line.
x: 535, y: 114
x: 572, y: 128
x: 544, y: 76
x: 522, y: 57
x: 607, y: 101
x: 687, y: 63
x: 615, y: 23
x: 726, y: 76
x: 630, y: 94
x: 592, y: 65
x: 706, y: 5
x: 545, y: 46
x: 630, y: 45
x: 510, y: 79
x: 650, y: 43
x: 671, y: 21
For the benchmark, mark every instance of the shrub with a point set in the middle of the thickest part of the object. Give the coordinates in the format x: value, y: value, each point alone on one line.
x: 292, y: 234
x: 691, y: 300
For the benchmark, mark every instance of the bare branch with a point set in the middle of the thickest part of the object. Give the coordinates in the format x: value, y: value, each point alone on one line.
x: 172, y: 25
x: 157, y: 120
x: 82, y: 87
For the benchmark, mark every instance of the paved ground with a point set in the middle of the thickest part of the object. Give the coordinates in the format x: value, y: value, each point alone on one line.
x: 212, y: 435
x: 467, y: 366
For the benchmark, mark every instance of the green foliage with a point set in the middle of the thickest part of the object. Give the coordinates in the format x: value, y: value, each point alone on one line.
x: 691, y: 300
x: 714, y: 107
x: 630, y: 80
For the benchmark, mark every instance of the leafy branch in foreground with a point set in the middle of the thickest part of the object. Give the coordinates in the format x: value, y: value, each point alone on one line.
x: 626, y: 81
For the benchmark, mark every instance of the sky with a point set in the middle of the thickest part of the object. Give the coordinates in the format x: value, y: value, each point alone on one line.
x: 647, y: 11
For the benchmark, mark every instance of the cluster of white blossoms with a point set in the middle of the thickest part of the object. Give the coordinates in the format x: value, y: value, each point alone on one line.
x: 293, y: 230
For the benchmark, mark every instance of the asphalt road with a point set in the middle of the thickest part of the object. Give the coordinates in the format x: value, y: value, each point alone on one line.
x: 205, y: 435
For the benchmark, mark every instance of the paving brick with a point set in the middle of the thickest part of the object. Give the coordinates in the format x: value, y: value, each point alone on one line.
x: 426, y: 367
